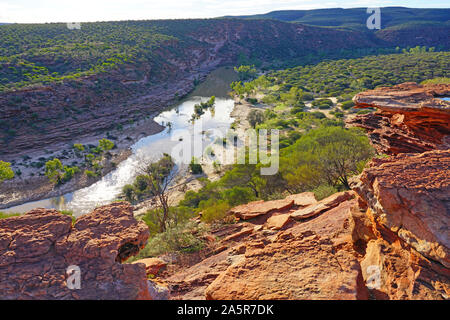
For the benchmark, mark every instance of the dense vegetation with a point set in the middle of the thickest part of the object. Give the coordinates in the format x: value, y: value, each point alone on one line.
x: 355, y: 18
x: 44, y: 53
x: 93, y: 156
x: 348, y: 76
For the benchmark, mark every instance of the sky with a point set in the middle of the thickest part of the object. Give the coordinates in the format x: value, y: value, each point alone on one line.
x: 40, y: 11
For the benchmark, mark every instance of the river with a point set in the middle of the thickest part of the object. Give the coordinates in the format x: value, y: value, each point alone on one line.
x: 152, y: 147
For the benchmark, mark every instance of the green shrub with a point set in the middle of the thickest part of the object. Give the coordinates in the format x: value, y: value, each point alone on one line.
x: 252, y: 100
x: 323, y: 191
x: 78, y: 147
x: 321, y: 103
x: 323, y: 106
x: 184, y: 238
x: 90, y: 174
x: 105, y: 145
x: 54, y: 170
x: 347, y: 104
x: 6, y: 173
x: 255, y: 117
x: 215, y: 212
x: 195, y: 167
x: 4, y: 215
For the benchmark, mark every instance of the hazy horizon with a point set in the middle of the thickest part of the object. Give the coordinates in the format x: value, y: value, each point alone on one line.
x: 50, y: 11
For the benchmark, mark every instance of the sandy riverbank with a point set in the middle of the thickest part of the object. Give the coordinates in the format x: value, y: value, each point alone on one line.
x: 34, y: 188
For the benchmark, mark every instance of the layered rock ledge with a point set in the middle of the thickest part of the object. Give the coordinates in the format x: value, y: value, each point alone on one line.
x: 409, y: 117
x: 37, y: 249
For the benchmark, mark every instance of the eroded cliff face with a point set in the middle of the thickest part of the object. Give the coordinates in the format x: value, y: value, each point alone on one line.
x: 403, y: 213
x: 37, y: 249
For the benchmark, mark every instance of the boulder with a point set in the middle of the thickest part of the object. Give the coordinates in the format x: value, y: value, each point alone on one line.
x: 311, y: 260
x: 410, y: 195
x: 278, y: 221
x: 39, y: 248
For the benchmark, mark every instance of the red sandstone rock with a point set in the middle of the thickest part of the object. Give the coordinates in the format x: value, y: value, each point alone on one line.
x: 391, y: 268
x: 37, y: 248
x: 312, y: 260
x: 323, y: 205
x: 411, y: 118
x: 258, y: 208
x: 190, y: 284
x: 152, y: 265
x: 303, y: 199
x: 279, y: 221
x: 410, y: 195
x: 238, y: 235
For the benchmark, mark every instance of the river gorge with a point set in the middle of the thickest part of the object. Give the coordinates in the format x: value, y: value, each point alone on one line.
x: 179, y: 126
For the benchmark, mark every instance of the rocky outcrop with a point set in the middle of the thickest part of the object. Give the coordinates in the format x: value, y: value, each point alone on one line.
x: 410, y: 195
x: 409, y: 117
x: 38, y: 249
x: 261, y: 207
x: 387, y: 239
x: 324, y: 205
x: 272, y: 256
x: 312, y: 260
x: 401, y: 223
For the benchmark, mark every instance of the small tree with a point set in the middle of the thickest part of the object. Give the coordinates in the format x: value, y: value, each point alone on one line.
x: 246, y: 72
x: 160, y: 176
x: 255, y: 117
x: 6, y: 172
x: 105, y: 145
x: 195, y: 167
x: 78, y: 147
x: 54, y: 170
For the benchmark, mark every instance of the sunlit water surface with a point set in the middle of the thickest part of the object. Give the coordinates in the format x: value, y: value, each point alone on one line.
x: 148, y: 148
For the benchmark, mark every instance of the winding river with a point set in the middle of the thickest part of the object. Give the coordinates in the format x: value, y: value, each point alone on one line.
x: 152, y: 147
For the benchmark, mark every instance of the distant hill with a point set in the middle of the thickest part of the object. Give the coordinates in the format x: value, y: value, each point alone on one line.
x: 356, y: 17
